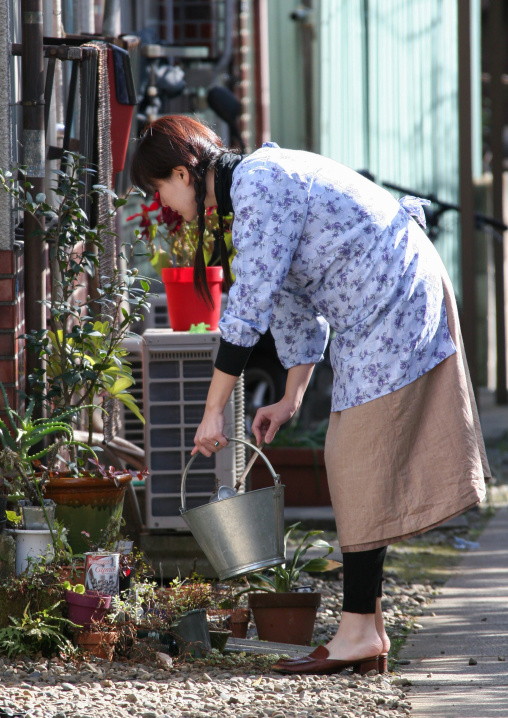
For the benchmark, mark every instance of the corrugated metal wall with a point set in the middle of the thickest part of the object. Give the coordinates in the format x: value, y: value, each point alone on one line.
x: 389, y: 97
x: 287, y: 123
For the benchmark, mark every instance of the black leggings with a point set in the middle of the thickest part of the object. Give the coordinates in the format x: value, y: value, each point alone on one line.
x: 363, y: 578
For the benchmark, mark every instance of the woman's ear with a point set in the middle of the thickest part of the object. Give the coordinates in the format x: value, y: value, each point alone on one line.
x: 182, y: 173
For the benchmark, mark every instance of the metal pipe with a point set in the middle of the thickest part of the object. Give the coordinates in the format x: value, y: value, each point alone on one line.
x: 466, y: 189
x: 34, y: 150
x: 261, y: 74
x: 227, y: 52
x: 496, y: 61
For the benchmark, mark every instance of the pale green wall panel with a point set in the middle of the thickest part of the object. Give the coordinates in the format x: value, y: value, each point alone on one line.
x: 285, y: 76
x: 389, y: 96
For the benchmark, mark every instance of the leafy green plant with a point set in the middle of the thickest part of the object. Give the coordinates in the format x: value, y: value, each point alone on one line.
x: 172, y: 241
x: 18, y: 437
x: 84, y: 361
x: 14, y: 518
x: 38, y: 632
x: 282, y: 579
x: 77, y: 588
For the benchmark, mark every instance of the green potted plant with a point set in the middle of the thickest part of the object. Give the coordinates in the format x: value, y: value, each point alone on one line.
x: 172, y: 244
x: 19, y: 434
x: 84, y: 361
x: 282, y: 612
x: 299, y: 457
x: 20, y: 454
x: 40, y: 632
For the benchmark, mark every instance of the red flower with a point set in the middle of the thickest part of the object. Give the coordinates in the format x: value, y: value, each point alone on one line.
x: 166, y: 216
x: 145, y: 218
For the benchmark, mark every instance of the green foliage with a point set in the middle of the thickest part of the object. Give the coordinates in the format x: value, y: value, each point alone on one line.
x: 172, y: 241
x: 13, y: 517
x: 39, y: 632
x: 18, y: 437
x: 200, y: 328
x: 282, y: 579
x: 77, y: 588
x: 84, y: 360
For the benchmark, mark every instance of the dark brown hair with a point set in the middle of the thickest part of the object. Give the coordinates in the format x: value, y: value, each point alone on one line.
x: 177, y: 140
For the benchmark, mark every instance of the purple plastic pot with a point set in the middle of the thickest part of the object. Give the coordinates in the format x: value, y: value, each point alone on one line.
x: 86, y: 607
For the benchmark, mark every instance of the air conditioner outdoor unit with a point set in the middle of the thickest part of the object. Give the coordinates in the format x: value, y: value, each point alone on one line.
x: 177, y: 368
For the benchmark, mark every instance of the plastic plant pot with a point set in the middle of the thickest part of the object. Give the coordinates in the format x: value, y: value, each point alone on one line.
x: 83, y: 608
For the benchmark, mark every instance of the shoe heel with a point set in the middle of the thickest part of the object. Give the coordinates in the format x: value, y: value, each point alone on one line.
x: 363, y: 667
x: 382, y: 663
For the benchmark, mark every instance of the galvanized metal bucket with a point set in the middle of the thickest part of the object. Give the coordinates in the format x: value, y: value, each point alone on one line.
x: 241, y: 534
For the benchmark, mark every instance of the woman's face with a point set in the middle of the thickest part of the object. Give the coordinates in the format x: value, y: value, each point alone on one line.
x: 178, y: 193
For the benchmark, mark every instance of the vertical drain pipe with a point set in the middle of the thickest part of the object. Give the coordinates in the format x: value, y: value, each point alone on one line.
x: 34, y: 150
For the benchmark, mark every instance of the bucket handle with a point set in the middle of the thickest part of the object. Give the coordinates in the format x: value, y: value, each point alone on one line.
x: 276, y: 477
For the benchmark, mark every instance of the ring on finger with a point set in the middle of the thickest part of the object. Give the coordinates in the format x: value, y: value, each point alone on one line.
x: 217, y: 443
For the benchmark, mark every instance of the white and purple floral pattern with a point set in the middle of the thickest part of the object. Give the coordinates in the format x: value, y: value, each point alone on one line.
x: 319, y: 245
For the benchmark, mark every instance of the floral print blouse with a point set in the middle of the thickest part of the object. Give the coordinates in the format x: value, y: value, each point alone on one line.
x: 320, y: 246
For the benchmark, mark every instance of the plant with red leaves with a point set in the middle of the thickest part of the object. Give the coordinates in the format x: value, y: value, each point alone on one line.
x: 171, y: 240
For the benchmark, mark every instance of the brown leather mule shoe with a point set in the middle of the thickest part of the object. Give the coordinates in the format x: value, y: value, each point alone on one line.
x: 318, y: 662
x: 382, y: 663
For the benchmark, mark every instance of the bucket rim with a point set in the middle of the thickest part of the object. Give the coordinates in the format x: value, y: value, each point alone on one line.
x: 275, y: 476
x: 184, y: 513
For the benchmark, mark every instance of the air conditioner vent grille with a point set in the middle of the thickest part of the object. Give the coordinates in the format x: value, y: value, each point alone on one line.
x: 176, y: 380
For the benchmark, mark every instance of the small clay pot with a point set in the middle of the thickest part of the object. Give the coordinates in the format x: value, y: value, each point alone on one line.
x: 285, y: 617
x: 238, y: 622
x: 72, y: 574
x: 97, y: 643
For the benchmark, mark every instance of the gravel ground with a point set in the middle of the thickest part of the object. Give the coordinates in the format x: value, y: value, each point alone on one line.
x: 235, y: 685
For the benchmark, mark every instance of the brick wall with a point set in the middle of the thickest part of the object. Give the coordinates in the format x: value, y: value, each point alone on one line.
x: 12, y: 324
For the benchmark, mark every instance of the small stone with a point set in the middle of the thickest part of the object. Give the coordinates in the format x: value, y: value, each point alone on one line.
x: 501, y: 658
x: 149, y: 714
x: 164, y: 660
x: 67, y: 687
x: 473, y: 662
x: 402, y: 681
x: 131, y: 698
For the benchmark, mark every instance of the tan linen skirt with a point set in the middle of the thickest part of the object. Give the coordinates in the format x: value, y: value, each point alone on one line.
x: 406, y: 462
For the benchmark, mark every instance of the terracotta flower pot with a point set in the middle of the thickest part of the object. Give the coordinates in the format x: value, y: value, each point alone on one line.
x: 97, y: 643
x: 285, y: 617
x: 86, y: 502
x: 238, y: 622
x: 302, y: 472
x: 72, y: 574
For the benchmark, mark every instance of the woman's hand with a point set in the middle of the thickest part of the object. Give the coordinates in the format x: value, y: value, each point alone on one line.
x: 268, y: 419
x: 210, y: 431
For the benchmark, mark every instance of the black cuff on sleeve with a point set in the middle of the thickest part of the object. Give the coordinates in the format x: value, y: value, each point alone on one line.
x: 231, y: 359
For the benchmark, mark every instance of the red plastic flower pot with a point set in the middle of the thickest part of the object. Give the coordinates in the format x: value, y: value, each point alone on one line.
x: 83, y: 608
x: 185, y: 305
